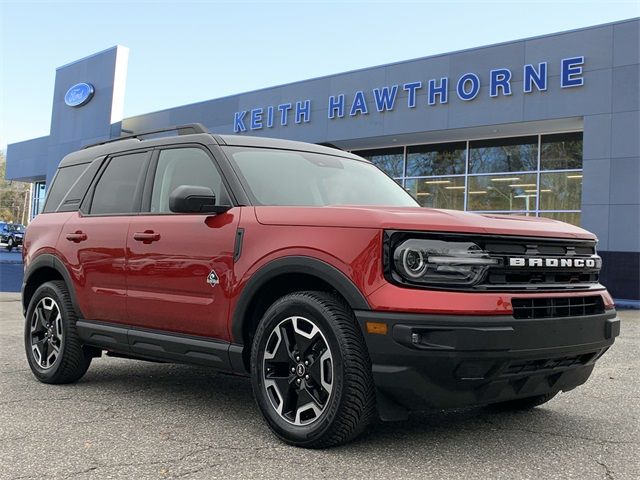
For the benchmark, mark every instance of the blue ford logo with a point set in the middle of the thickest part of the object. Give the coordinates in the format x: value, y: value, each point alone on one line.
x: 79, y: 94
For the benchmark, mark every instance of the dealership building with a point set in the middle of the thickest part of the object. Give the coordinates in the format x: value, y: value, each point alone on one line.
x: 546, y: 126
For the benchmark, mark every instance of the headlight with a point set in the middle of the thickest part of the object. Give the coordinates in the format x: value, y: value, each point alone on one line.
x: 440, y: 262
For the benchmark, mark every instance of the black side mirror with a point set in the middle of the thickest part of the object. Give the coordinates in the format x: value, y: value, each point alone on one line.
x: 194, y: 199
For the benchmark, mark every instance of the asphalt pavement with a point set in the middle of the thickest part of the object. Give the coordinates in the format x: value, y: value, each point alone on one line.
x: 139, y: 420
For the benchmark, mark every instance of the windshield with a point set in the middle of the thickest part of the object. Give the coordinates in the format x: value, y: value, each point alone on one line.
x: 15, y: 228
x: 283, y: 177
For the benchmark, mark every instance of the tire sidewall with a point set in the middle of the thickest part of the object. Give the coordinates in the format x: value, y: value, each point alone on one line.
x: 47, y: 290
x: 302, y: 307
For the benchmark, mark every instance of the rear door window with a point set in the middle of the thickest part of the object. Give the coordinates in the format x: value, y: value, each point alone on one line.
x: 118, y: 190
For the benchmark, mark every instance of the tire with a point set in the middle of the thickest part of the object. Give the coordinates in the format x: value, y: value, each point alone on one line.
x: 338, y: 374
x: 524, y: 403
x: 10, y: 244
x: 51, y: 319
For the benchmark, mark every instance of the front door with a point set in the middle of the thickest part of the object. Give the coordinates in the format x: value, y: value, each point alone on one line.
x: 180, y: 266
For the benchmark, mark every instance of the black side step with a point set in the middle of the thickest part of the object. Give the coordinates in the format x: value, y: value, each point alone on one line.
x: 161, y: 346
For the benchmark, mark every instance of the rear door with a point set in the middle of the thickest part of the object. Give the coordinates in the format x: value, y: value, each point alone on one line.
x: 180, y: 266
x: 92, y: 243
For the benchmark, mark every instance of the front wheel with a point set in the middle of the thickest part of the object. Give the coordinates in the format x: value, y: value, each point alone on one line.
x: 53, y: 348
x: 311, y: 372
x: 10, y: 244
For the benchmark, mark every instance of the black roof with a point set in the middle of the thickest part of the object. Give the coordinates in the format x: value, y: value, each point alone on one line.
x: 133, y: 142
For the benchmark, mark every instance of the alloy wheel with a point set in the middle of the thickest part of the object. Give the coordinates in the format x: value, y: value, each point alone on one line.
x: 46, y: 333
x: 298, y: 370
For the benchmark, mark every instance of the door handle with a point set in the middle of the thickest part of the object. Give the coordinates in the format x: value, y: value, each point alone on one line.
x: 77, y: 236
x: 147, y: 236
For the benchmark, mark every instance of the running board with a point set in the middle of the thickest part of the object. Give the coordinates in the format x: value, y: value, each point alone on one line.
x: 161, y: 346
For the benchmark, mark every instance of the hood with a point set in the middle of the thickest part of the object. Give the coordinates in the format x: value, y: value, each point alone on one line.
x: 418, y: 218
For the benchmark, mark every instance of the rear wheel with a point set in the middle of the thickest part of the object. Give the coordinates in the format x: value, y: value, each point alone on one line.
x: 311, y: 372
x: 524, y: 403
x: 53, y: 348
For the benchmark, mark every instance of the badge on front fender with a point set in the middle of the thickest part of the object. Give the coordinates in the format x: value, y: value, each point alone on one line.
x: 212, y: 278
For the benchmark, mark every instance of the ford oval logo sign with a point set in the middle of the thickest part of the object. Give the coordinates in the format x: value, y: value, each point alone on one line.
x: 79, y: 94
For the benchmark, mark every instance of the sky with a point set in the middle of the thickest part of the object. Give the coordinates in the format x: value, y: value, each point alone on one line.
x: 183, y: 52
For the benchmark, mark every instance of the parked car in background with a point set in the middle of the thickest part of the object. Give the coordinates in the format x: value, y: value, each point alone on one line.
x: 11, y: 234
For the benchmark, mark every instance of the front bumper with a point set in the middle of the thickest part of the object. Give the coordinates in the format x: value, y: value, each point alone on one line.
x: 448, y: 361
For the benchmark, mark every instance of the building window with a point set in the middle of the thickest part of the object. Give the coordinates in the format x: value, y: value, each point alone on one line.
x: 561, y: 151
x: 389, y: 160
x: 537, y: 175
x: 560, y: 191
x: 38, y: 196
x: 437, y: 159
x: 518, y: 154
x: 440, y: 192
x: 505, y: 192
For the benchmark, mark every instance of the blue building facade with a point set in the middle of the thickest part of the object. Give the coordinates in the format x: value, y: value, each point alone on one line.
x: 547, y: 126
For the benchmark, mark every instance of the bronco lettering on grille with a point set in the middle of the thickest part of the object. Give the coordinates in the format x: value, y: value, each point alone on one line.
x: 553, y: 262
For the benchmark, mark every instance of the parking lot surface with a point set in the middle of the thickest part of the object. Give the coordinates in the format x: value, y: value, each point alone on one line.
x: 130, y: 419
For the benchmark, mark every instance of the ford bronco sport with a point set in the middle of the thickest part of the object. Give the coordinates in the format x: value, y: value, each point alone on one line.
x: 308, y: 269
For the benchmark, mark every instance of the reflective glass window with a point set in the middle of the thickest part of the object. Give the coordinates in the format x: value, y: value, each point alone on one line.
x: 516, y: 154
x: 502, y: 192
x: 439, y: 192
x: 389, y: 160
x: 561, y: 151
x: 437, y: 159
x: 560, y: 191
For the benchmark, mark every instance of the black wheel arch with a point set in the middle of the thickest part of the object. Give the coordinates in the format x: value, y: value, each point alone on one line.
x: 291, y: 265
x: 44, y: 268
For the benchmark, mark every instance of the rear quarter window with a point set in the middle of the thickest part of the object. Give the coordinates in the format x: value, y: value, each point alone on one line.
x: 62, y: 182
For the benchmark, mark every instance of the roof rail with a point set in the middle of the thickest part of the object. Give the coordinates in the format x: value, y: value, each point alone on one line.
x: 330, y: 145
x: 187, y: 129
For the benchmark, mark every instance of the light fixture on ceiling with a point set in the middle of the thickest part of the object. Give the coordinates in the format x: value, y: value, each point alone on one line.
x: 505, y: 179
x: 435, y: 182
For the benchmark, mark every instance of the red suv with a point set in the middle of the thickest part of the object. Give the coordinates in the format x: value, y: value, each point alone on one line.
x: 311, y: 271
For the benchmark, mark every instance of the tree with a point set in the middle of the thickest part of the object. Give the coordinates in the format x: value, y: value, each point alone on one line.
x: 14, y: 197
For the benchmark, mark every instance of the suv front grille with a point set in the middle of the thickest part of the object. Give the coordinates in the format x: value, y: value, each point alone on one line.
x: 529, y: 308
x: 506, y: 277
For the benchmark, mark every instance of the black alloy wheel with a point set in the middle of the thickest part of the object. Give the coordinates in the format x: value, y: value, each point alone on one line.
x: 46, y: 333
x: 54, y: 350
x: 311, y: 372
x: 298, y: 370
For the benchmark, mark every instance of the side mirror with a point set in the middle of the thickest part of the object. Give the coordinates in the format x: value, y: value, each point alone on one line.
x: 194, y: 199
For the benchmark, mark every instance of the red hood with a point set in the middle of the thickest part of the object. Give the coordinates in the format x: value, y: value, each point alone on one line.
x: 417, y: 218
